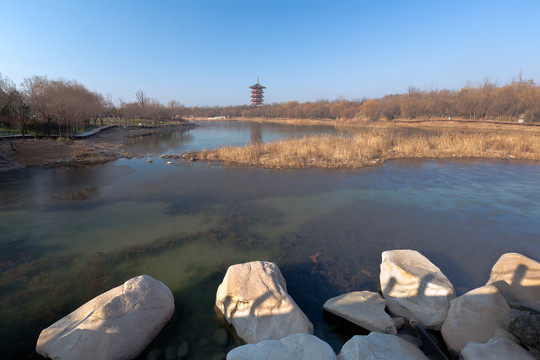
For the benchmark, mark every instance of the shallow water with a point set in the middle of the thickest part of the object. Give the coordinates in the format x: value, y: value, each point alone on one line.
x: 69, y: 235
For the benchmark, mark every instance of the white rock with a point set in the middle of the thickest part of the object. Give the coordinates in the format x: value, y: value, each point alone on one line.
x: 478, y: 316
x: 118, y: 324
x: 377, y: 346
x: 254, y: 300
x: 495, y: 349
x: 292, y: 347
x: 518, y: 279
x: 415, y: 288
x: 364, y: 308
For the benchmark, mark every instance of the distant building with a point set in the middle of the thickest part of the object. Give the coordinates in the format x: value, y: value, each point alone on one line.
x: 257, y: 94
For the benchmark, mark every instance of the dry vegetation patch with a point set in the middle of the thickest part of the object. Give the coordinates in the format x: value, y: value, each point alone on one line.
x: 373, y: 147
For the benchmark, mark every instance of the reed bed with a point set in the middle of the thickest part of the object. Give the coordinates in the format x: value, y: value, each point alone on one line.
x: 374, y: 147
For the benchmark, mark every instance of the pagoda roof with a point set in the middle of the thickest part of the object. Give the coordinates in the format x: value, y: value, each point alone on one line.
x: 257, y: 86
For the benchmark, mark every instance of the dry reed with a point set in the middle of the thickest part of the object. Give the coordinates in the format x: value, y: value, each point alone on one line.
x: 373, y: 147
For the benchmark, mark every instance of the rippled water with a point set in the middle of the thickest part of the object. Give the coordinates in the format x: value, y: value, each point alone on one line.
x: 69, y: 235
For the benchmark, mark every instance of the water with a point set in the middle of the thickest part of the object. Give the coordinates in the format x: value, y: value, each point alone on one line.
x: 69, y: 235
x: 211, y: 134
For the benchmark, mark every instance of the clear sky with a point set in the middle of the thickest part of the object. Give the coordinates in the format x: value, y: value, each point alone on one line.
x: 203, y: 52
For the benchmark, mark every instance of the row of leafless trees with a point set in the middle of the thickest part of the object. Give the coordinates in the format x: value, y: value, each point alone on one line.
x: 149, y: 109
x: 48, y: 105
x: 65, y: 107
x: 487, y: 101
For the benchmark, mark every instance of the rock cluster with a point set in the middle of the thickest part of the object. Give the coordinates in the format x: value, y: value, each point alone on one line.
x: 499, y: 320
x: 477, y: 325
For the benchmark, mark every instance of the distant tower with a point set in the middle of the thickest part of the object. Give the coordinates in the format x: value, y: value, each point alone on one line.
x: 257, y: 94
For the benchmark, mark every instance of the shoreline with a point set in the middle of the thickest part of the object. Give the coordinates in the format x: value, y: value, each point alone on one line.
x: 100, y: 148
x: 107, y: 146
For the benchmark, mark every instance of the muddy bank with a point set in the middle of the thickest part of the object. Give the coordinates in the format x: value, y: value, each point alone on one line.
x: 103, y: 147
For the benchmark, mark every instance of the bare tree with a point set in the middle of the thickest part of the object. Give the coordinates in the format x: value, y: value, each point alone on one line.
x: 141, y: 97
x: 8, y: 98
x: 371, y: 110
x: 37, y: 91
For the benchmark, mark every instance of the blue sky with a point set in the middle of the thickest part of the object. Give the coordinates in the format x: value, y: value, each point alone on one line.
x: 203, y: 52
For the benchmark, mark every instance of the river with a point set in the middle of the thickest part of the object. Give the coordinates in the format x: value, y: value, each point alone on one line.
x: 68, y: 235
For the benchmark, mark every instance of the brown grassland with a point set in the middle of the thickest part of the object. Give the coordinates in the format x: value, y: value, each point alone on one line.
x: 376, y: 146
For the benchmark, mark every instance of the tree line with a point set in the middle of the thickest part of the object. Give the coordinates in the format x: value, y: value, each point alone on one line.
x: 517, y: 101
x: 63, y: 108
x: 44, y: 106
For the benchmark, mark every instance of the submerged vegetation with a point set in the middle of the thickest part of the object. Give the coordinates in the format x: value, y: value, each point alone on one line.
x: 374, y: 147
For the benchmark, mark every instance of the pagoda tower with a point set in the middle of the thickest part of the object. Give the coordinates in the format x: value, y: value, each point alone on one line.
x: 257, y: 94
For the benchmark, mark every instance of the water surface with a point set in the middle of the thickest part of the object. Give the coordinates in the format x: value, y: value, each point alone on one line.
x: 69, y: 235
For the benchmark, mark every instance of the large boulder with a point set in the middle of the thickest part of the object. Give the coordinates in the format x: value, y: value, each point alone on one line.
x: 478, y: 316
x: 292, y: 347
x: 518, y: 279
x: 495, y: 349
x: 117, y: 324
x: 253, y: 298
x: 415, y: 288
x: 364, y: 308
x: 377, y: 346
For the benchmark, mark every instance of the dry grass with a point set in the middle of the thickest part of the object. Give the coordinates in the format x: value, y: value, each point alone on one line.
x: 456, y: 124
x: 373, y: 147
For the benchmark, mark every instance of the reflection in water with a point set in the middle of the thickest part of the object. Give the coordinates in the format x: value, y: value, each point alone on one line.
x: 69, y: 235
x: 158, y: 143
x: 214, y: 134
x: 256, y: 133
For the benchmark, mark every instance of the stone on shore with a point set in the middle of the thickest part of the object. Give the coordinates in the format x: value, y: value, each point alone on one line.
x: 118, y: 324
x: 378, y: 346
x: 415, y: 288
x: 363, y: 308
x: 518, y: 279
x: 292, y: 347
x: 495, y: 349
x: 478, y: 316
x: 253, y: 298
